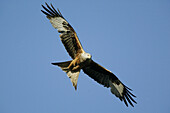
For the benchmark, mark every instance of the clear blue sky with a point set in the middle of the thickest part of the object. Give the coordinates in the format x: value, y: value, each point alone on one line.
x: 130, y: 38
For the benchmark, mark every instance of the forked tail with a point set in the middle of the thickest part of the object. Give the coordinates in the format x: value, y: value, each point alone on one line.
x: 72, y: 74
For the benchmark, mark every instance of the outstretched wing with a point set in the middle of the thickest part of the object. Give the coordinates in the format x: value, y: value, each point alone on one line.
x: 108, y: 79
x: 68, y: 35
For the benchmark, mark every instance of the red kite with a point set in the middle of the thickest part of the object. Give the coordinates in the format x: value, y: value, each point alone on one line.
x: 83, y: 60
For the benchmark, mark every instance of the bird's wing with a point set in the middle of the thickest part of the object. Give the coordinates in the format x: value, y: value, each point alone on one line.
x: 68, y: 35
x: 108, y: 79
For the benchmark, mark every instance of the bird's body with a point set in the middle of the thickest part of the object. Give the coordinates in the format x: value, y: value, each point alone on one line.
x: 82, y: 60
x: 72, y: 68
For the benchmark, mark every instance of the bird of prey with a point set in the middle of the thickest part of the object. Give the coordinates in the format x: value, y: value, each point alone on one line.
x: 82, y: 60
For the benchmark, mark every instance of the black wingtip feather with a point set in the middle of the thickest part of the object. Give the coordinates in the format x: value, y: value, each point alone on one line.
x: 51, y: 11
x: 59, y: 11
x: 52, y: 14
x: 128, y: 88
x: 54, y: 8
x: 129, y: 100
x: 128, y: 96
x: 125, y: 101
x: 131, y: 93
x: 45, y: 13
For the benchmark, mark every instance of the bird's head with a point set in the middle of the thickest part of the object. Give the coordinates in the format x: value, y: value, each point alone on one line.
x: 85, y: 56
x: 88, y: 56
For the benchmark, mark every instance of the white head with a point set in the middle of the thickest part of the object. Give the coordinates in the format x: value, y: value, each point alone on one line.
x: 85, y: 56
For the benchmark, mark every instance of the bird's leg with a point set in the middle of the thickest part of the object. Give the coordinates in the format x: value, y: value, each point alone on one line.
x: 76, y: 67
x: 73, y: 63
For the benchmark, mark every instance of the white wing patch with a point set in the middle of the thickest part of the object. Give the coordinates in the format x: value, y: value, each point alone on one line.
x: 57, y: 23
x: 117, y: 90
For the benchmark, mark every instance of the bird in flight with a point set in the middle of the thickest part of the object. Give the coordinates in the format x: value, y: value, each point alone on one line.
x: 82, y: 60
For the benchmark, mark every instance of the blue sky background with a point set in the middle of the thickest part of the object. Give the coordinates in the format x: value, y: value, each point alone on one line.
x: 130, y: 38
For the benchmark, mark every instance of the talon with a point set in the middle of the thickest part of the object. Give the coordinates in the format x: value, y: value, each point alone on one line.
x: 72, y: 63
x: 69, y: 67
x: 74, y: 68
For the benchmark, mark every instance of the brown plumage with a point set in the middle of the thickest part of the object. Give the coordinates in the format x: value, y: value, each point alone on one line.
x: 83, y: 60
